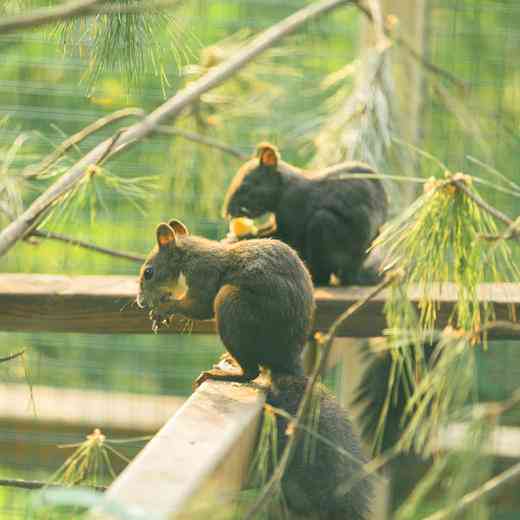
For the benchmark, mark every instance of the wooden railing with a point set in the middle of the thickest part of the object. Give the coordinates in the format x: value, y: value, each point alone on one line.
x: 204, y: 448
x: 101, y: 305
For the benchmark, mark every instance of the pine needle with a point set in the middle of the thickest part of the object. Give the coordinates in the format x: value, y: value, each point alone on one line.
x: 128, y: 44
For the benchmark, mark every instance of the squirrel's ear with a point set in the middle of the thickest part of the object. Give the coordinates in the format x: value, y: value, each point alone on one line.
x: 165, y: 235
x: 179, y: 228
x: 267, y: 154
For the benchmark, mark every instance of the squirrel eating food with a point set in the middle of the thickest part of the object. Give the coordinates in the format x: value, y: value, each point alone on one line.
x: 259, y: 292
x: 329, y: 219
x: 261, y: 295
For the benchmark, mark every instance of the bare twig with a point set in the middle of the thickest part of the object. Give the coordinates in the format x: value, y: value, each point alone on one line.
x: 167, y: 111
x: 202, y: 139
x: 270, y: 488
x: 43, y: 166
x: 487, y: 489
x: 41, y: 233
x: 399, y: 40
x: 45, y: 16
x: 49, y: 15
x: 431, y: 67
x: 36, y: 484
x: 12, y: 356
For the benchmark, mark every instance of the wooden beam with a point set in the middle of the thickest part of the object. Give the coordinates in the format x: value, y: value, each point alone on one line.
x: 93, y: 304
x: 31, y: 428
x: 199, y: 456
x: 503, y: 441
x: 50, y: 407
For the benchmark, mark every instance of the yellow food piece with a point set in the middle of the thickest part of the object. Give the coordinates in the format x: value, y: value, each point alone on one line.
x: 241, y: 226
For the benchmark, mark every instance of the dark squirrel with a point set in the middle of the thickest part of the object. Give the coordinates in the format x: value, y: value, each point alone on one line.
x: 262, y: 297
x: 258, y: 291
x: 331, y: 223
x: 329, y: 219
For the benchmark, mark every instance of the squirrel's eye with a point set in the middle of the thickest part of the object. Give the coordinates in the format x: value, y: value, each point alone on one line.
x: 148, y: 273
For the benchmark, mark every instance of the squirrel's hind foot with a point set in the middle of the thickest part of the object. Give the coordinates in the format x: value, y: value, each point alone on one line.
x: 224, y: 375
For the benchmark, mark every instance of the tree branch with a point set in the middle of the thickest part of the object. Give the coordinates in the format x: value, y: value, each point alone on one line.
x: 481, y: 203
x: 399, y: 40
x: 61, y: 13
x: 487, y: 489
x: 202, y: 139
x: 46, y: 16
x: 35, y: 484
x: 43, y: 166
x: 270, y: 488
x: 12, y: 356
x: 40, y: 233
x: 167, y: 111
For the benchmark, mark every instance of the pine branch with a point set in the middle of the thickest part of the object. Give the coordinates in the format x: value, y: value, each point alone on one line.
x: 43, y: 166
x: 206, y: 141
x: 79, y: 8
x: 12, y: 356
x: 40, y: 233
x: 35, y: 484
x: 46, y: 16
x: 168, y: 111
x: 481, y: 203
x: 279, y: 472
x: 388, y: 27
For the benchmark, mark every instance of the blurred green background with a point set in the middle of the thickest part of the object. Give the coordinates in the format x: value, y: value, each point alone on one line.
x: 47, y: 95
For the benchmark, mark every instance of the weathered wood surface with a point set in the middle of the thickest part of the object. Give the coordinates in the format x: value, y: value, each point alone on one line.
x: 32, y: 429
x: 503, y: 441
x: 93, y: 304
x: 86, y: 409
x: 199, y: 456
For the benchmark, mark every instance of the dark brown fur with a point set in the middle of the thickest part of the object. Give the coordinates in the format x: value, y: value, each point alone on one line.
x: 262, y: 297
x: 259, y: 291
x: 330, y: 220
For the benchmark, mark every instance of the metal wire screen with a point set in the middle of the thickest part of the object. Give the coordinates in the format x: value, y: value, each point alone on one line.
x: 45, y: 96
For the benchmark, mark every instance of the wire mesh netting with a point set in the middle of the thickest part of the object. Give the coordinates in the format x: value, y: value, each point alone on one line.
x: 46, y: 94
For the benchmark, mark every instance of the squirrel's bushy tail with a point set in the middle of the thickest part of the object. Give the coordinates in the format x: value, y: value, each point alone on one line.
x: 327, y: 480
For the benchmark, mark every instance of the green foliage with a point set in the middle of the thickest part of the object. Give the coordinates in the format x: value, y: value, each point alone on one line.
x: 12, y: 7
x: 439, y: 239
x: 126, y: 44
x: 93, y: 192
x: 264, y: 461
x: 90, y: 464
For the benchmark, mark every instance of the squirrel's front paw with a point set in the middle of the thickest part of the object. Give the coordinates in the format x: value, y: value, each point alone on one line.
x: 158, y: 320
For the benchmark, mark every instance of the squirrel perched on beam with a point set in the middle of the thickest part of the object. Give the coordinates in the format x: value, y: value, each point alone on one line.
x: 329, y: 219
x: 262, y: 297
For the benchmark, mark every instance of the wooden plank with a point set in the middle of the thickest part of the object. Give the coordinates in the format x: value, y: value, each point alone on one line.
x: 85, y: 409
x: 92, y: 304
x: 32, y: 430
x: 503, y: 441
x: 89, y: 304
x: 201, y: 454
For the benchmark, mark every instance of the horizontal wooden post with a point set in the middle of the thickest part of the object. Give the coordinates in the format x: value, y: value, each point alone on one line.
x: 198, y: 459
x: 93, y: 304
x: 503, y: 441
x: 35, y: 420
x: 85, y: 409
